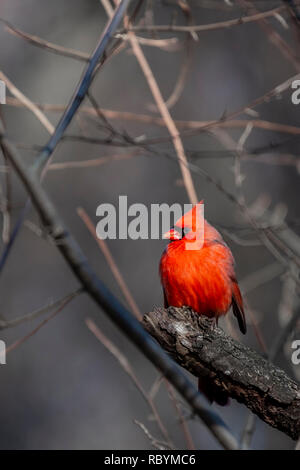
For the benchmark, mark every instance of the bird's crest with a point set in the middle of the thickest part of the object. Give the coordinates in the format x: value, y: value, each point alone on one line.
x: 193, y: 218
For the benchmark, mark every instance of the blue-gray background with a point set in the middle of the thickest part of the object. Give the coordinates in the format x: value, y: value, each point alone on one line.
x: 61, y: 388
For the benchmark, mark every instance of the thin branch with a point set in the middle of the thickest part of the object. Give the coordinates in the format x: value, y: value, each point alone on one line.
x: 4, y: 324
x: 83, y: 85
x: 27, y: 103
x: 194, y: 126
x: 181, y: 417
x: 107, y: 7
x: 111, y: 262
x: 283, y: 335
x: 46, y: 45
x: 126, y: 366
x: 248, y: 431
x: 169, y: 45
x: 157, y: 444
x: 186, y: 61
x: 187, y: 178
x: 22, y: 340
x: 209, y: 27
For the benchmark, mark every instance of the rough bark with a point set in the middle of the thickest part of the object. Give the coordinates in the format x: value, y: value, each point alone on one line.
x: 247, y: 377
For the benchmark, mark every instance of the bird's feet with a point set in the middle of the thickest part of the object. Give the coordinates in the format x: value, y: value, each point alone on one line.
x: 213, y: 322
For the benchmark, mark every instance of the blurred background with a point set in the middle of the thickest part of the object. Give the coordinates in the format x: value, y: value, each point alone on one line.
x: 61, y: 388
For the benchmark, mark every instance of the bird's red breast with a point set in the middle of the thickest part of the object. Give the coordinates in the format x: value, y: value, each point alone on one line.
x: 200, y: 279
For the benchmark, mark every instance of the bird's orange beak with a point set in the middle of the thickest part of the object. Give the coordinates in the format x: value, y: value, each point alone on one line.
x: 172, y: 235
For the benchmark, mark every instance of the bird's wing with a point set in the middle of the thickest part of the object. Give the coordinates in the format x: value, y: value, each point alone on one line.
x: 166, y: 305
x: 237, y: 307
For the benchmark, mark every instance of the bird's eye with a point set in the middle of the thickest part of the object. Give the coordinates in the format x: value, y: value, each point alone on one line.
x: 177, y: 234
x: 182, y: 231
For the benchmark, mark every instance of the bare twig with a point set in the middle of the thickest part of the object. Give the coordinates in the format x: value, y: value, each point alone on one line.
x: 27, y: 103
x: 46, y: 45
x: 93, y: 162
x: 157, y: 444
x: 273, y: 36
x: 187, y: 178
x: 136, y: 311
x: 245, y: 375
x: 126, y: 366
x: 22, y: 340
x: 283, y: 335
x: 36, y: 313
x: 111, y: 262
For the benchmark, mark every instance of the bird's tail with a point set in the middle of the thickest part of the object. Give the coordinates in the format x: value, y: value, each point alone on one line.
x: 212, y: 392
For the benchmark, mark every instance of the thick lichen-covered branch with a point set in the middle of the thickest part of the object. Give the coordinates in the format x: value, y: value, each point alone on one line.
x: 247, y: 377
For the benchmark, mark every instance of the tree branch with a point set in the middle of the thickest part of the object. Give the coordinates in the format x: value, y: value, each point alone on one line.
x: 249, y: 378
x: 212, y: 26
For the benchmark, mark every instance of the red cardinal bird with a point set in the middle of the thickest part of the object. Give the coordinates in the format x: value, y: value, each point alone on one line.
x: 202, y: 278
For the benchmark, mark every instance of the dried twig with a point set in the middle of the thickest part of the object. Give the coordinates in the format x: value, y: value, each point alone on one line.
x: 126, y: 366
x: 157, y: 444
x: 111, y: 262
x: 22, y: 340
x: 209, y: 27
x: 163, y: 109
x: 136, y: 311
x: 27, y: 103
x: 4, y: 324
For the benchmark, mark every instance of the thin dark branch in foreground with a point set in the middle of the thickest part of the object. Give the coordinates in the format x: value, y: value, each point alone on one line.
x: 83, y: 85
x: 249, y: 378
x: 78, y: 263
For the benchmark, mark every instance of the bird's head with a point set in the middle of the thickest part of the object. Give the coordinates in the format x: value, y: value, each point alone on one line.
x: 172, y: 235
x: 188, y: 225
